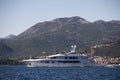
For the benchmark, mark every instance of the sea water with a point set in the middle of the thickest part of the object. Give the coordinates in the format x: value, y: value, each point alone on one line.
x: 59, y: 73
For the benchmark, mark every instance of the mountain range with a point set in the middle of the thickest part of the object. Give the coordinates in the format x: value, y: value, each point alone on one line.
x: 56, y: 36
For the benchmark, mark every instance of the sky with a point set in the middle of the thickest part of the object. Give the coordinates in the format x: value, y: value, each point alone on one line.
x: 17, y: 16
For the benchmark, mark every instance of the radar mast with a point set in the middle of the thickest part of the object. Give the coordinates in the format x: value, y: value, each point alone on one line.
x: 73, y: 48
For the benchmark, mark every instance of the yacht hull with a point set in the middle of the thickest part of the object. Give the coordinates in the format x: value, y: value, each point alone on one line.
x: 38, y: 64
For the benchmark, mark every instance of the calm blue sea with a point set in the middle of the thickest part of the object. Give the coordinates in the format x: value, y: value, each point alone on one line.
x: 70, y: 73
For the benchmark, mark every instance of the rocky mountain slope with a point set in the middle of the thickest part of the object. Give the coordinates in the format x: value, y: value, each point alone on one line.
x: 4, y: 50
x: 57, y: 35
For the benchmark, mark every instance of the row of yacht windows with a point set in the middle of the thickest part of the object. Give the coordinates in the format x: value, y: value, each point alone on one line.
x: 47, y: 61
x: 60, y: 61
x: 69, y: 61
x: 64, y: 57
x: 71, y: 57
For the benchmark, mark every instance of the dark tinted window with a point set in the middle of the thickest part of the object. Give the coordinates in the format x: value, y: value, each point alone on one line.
x: 65, y: 57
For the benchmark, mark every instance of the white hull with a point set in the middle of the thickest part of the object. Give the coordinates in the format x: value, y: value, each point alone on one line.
x: 37, y: 64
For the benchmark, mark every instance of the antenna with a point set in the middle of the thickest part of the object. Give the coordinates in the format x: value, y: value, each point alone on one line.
x: 73, y: 48
x: 30, y: 57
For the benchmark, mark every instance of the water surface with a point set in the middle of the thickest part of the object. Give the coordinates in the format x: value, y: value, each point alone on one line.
x: 53, y: 73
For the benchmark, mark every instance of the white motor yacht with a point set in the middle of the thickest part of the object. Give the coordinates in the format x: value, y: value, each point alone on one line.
x: 70, y: 59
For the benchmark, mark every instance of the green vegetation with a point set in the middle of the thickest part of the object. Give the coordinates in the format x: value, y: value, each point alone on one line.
x: 9, y: 62
x: 111, y: 51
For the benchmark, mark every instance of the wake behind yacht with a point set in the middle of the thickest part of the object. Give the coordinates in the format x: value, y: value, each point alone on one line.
x: 70, y: 59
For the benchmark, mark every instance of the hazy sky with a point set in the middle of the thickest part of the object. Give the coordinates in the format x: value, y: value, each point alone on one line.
x: 18, y: 15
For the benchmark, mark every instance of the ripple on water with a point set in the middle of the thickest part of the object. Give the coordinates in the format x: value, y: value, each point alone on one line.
x: 80, y: 73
